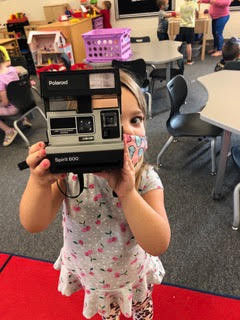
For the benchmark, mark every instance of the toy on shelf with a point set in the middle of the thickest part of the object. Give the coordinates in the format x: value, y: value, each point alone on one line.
x: 68, y: 12
x: 17, y: 17
x: 77, y: 14
x: 47, y: 46
x: 87, y: 8
x: 63, y: 17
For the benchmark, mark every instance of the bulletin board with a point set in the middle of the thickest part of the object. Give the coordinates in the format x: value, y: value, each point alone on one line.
x: 138, y: 8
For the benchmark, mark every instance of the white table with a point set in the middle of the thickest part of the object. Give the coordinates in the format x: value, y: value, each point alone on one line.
x: 222, y: 110
x: 154, y: 53
x: 157, y: 52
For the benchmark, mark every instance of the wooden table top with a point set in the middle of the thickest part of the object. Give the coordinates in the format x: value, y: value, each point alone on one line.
x: 6, y: 40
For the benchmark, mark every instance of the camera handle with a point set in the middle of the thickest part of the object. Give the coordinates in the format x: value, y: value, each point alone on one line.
x: 81, y: 187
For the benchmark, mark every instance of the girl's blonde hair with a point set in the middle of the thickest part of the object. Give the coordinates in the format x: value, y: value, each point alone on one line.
x: 128, y: 81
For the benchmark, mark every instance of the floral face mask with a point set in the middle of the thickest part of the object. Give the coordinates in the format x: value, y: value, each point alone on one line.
x: 136, y: 146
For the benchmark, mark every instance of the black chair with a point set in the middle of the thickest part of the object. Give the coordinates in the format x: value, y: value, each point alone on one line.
x: 186, y: 124
x: 138, y: 69
x: 159, y: 74
x: 236, y: 209
x: 232, y: 65
x: 66, y: 61
x: 19, y: 93
x: 19, y: 61
x: 140, y: 39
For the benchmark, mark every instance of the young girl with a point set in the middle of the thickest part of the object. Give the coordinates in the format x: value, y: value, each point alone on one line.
x: 7, y: 74
x: 111, y: 244
x: 105, y: 11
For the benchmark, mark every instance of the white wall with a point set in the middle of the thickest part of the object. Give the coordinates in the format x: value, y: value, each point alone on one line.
x: 139, y: 26
x: 148, y: 26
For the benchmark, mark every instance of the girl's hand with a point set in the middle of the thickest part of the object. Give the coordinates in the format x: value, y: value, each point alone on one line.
x: 121, y: 181
x: 39, y: 166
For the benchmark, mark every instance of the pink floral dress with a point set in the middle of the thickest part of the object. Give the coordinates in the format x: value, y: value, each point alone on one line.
x: 100, y: 253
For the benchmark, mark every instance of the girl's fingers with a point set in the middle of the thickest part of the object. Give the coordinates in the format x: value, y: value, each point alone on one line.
x: 42, y: 167
x: 127, y: 159
x: 36, y: 157
x: 36, y: 147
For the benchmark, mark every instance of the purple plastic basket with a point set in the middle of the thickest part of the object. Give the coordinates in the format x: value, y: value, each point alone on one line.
x: 103, y: 45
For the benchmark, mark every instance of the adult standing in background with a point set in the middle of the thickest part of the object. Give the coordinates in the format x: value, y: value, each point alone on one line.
x: 219, y: 12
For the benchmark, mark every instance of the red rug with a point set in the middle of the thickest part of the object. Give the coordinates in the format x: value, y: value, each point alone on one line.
x: 28, y: 291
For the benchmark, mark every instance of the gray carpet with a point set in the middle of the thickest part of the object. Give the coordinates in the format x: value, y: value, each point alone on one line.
x: 204, y: 251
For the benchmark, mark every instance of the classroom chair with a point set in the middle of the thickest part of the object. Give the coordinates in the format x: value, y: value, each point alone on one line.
x: 138, y: 69
x: 20, y: 94
x: 19, y: 61
x: 140, y: 39
x: 232, y: 65
x: 186, y: 124
x: 159, y: 74
x: 13, y: 47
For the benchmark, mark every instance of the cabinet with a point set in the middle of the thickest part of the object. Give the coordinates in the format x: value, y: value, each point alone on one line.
x: 97, y: 22
x: 18, y: 28
x: 72, y: 32
x: 53, y: 12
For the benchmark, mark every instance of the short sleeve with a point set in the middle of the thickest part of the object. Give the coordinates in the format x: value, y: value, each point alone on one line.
x: 2, y: 85
x: 162, y: 14
x: 150, y: 181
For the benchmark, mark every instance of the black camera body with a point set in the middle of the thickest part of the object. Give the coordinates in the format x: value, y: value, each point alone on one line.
x: 90, y: 138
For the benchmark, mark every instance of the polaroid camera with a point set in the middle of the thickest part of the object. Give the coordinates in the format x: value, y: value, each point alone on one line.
x: 88, y: 139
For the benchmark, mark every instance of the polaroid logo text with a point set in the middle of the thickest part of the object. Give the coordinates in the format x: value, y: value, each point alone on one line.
x: 58, y: 83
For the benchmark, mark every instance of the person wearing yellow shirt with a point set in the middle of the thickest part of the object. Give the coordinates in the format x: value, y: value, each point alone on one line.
x: 188, y: 13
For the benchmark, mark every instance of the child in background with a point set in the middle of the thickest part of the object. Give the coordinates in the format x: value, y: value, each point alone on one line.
x: 111, y: 244
x: 162, y: 30
x: 105, y: 12
x: 188, y: 13
x: 8, y: 74
x: 230, y: 52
